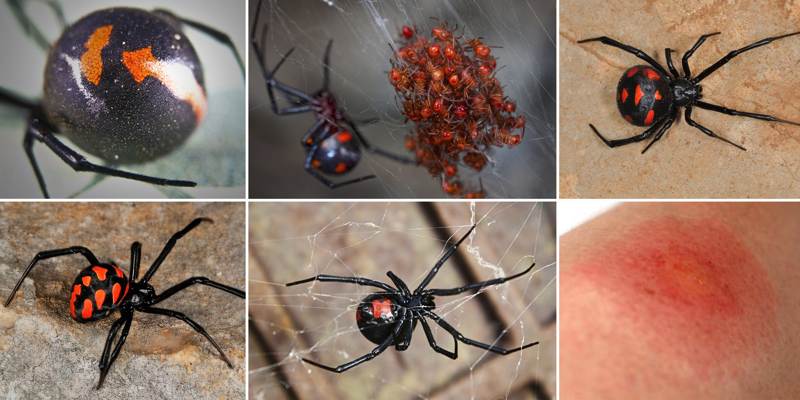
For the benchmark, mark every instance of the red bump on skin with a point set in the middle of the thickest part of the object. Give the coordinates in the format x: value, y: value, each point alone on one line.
x: 86, y: 313
x: 100, y: 272
x: 688, y: 289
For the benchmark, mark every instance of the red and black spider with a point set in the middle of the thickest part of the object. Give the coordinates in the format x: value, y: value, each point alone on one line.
x: 389, y: 317
x: 652, y: 96
x: 329, y: 143
x: 102, y: 288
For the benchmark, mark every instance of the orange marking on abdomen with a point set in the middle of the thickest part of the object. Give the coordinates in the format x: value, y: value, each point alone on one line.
x: 658, y: 95
x: 649, y: 119
x: 86, y: 313
x: 92, y: 58
x: 341, y: 167
x: 637, y: 97
x: 99, y: 298
x: 628, y: 118
x: 86, y: 280
x: 100, y: 272
x: 115, y: 292
x: 344, y: 137
x: 651, y: 74
x: 633, y: 71
x: 76, y: 291
x: 175, y: 76
x: 118, y: 271
x: 315, y: 163
x: 381, y: 307
x: 624, y: 95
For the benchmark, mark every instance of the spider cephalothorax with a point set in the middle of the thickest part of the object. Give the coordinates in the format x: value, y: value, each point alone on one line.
x: 649, y: 95
x: 102, y: 288
x: 333, y: 144
x: 388, y: 317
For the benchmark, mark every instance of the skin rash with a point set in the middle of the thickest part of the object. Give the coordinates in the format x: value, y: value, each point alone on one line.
x: 689, y: 289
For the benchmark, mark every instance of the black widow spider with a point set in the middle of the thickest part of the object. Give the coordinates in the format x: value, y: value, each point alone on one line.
x: 102, y: 288
x: 329, y: 145
x: 653, y: 97
x: 389, y: 317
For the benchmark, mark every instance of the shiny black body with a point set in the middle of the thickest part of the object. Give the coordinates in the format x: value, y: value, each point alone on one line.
x: 326, y: 153
x: 654, y: 91
x: 684, y: 91
x: 141, y: 296
x: 389, y: 317
x: 123, y: 84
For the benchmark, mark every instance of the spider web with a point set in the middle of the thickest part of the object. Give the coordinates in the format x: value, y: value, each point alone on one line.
x: 317, y: 320
x: 362, y: 30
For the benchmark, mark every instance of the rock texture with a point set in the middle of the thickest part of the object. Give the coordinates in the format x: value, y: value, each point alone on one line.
x: 685, y: 163
x: 44, y: 353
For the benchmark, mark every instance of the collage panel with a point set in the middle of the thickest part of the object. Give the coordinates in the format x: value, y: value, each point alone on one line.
x: 149, y: 92
x: 326, y: 284
x: 679, y: 301
x: 727, y: 130
x: 80, y: 321
x: 416, y: 100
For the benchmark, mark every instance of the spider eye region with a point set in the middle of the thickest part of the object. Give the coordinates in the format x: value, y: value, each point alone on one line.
x: 97, y: 291
x: 643, y: 95
x: 376, y: 315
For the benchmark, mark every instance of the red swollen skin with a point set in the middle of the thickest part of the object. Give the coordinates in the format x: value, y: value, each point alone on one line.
x: 690, y: 290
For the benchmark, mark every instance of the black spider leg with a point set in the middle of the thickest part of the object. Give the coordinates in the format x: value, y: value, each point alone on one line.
x: 668, y: 56
x: 663, y: 129
x: 194, y: 325
x: 447, y: 253
x: 213, y: 33
x: 638, y: 53
x: 106, y: 359
x: 399, y: 283
x: 724, y: 60
x: 687, y: 72
x: 376, y: 150
x: 633, y: 139
x: 9, y: 97
x: 432, y: 341
x: 43, y: 255
x: 476, y: 286
x: 168, y: 247
x: 725, y: 110
x: 308, y: 165
x: 195, y: 280
x: 366, y: 357
x: 687, y: 115
x: 136, y: 257
x: 345, y: 279
x: 27, y: 24
x: 326, y: 66
x: 463, y: 339
x: 39, y: 131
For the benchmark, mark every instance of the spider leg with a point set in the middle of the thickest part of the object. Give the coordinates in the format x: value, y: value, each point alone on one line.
x: 434, y: 345
x: 478, y: 285
x: 447, y: 253
x: 36, y: 131
x: 685, y: 61
x: 468, y: 341
x: 29, y: 27
x: 107, y: 360
x: 633, y: 139
x: 366, y: 357
x: 399, y: 283
x: 724, y: 60
x: 308, y: 166
x: 345, y: 279
x: 136, y: 256
x: 630, y: 49
x: 668, y: 56
x: 168, y: 247
x: 197, y: 327
x: 219, y: 36
x: 688, y: 117
x: 725, y: 110
x: 326, y: 66
x: 195, y: 280
x: 661, y: 131
x: 8, y: 97
x: 43, y: 255
x: 376, y: 150
x: 403, y: 339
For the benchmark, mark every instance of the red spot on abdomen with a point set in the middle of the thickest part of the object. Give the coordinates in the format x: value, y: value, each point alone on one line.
x: 99, y: 298
x: 381, y: 307
x: 86, y: 313
x: 344, y: 137
x: 624, y: 95
x: 87, y: 280
x: 341, y: 168
x: 649, y: 118
x: 633, y: 71
x: 637, y: 97
x: 651, y: 74
x: 118, y: 271
x: 100, y: 272
x: 115, y: 289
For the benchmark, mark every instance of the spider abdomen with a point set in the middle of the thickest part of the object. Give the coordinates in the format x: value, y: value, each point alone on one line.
x: 376, y: 315
x: 643, y: 95
x: 337, y: 154
x: 97, y: 291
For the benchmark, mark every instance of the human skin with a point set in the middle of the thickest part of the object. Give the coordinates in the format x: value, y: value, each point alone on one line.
x: 682, y: 300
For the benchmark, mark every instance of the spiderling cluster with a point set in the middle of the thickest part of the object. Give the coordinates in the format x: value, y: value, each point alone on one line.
x: 448, y: 88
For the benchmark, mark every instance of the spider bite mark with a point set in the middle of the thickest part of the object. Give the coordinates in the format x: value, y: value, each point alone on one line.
x: 92, y: 58
x: 689, y: 290
x: 100, y: 272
